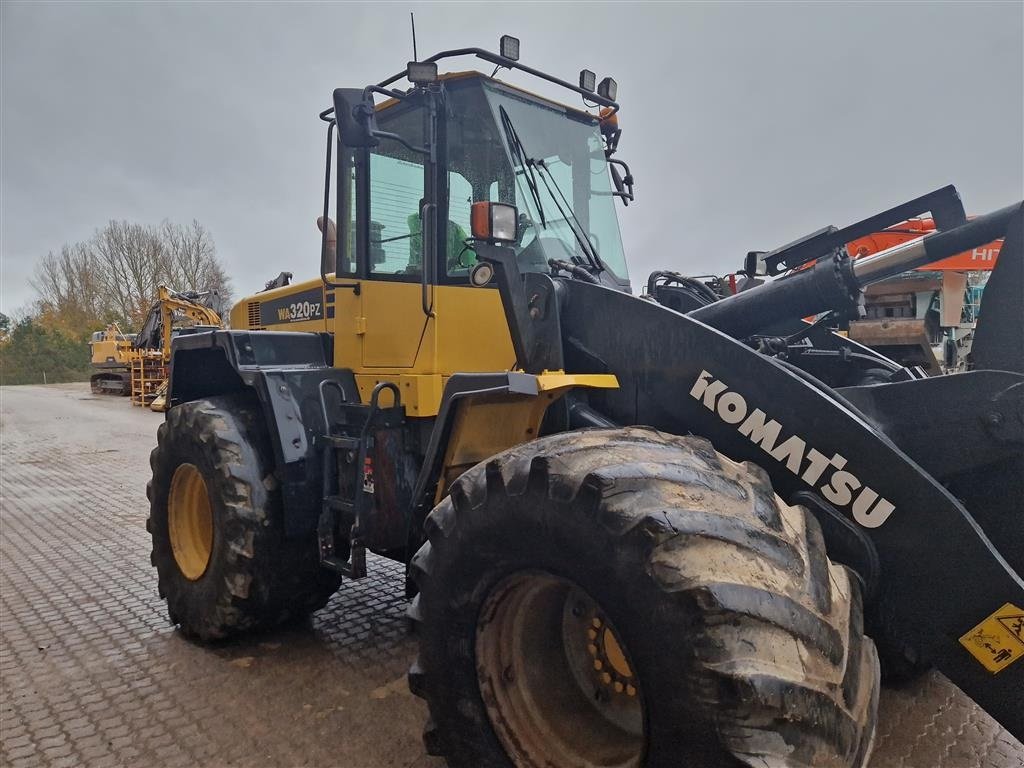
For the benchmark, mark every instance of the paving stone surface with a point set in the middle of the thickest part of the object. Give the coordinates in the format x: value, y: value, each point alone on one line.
x: 92, y: 674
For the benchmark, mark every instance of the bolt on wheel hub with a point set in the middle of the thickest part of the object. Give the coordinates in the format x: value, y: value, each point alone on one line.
x: 555, y: 676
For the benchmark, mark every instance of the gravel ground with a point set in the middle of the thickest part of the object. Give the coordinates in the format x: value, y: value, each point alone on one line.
x: 92, y: 674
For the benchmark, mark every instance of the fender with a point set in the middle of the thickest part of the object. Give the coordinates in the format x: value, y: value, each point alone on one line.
x: 675, y: 374
x: 283, y: 371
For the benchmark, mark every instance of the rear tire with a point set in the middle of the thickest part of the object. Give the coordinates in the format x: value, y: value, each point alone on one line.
x: 237, y: 572
x: 743, y: 643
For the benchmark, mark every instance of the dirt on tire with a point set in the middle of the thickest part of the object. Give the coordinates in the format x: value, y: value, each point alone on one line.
x: 747, y: 641
x: 256, y: 578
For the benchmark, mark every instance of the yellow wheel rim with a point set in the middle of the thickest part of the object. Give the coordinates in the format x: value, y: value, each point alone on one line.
x: 190, y: 521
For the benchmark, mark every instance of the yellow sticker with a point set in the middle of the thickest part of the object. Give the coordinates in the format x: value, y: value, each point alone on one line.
x: 998, y: 641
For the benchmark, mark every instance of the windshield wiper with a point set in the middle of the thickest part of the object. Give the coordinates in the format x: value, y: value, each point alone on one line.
x: 577, y: 229
x: 516, y: 148
x: 528, y: 164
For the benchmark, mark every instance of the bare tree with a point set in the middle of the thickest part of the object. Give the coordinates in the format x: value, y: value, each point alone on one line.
x: 131, y: 263
x: 193, y: 260
x: 71, y: 293
x: 114, y: 276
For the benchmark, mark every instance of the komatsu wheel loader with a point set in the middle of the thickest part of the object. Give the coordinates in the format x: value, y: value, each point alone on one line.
x: 633, y: 535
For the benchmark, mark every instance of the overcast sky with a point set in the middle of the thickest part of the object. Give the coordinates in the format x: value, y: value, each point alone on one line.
x: 746, y: 125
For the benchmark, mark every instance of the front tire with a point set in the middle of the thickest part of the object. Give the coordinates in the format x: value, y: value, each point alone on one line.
x: 626, y: 598
x: 223, y: 563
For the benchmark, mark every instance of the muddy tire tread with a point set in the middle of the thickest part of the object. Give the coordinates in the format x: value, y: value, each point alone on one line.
x: 263, y: 579
x: 778, y: 651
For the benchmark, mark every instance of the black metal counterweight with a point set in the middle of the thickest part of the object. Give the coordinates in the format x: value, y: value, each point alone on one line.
x: 835, y: 283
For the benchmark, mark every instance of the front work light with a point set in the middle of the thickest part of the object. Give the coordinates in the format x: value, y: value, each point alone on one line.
x: 587, y: 80
x: 508, y: 47
x: 608, y: 89
x: 494, y: 222
x: 421, y: 73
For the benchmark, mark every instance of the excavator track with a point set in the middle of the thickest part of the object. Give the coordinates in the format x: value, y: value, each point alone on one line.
x: 110, y: 383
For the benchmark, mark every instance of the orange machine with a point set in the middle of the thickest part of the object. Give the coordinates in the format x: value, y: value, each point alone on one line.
x: 979, y: 259
x: 924, y: 317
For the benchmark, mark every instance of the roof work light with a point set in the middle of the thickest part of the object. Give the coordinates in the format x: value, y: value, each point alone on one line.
x: 421, y: 72
x: 608, y: 89
x: 509, y: 47
x: 588, y: 80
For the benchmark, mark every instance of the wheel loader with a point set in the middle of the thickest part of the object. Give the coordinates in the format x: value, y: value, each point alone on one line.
x: 634, y: 535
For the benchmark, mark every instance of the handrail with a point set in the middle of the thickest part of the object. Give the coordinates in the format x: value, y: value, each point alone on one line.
x: 500, y: 61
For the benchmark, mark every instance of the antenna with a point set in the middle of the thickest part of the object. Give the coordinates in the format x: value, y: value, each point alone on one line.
x: 412, y: 21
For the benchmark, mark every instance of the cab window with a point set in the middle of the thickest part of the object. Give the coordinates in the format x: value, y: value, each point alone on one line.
x: 347, y: 257
x: 396, y: 188
x: 477, y: 171
x: 554, y: 171
x: 396, y: 191
x: 460, y: 257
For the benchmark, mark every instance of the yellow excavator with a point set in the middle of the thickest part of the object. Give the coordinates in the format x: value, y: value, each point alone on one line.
x: 136, y: 364
x: 111, y: 354
x: 173, y: 314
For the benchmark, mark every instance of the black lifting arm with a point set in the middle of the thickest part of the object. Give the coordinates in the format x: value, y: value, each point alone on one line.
x: 835, y: 282
x: 530, y: 302
x: 513, y: 297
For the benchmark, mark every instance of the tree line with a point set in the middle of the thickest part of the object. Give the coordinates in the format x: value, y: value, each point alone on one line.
x: 110, y: 278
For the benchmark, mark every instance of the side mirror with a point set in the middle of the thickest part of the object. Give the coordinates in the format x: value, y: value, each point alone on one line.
x: 754, y: 265
x: 355, y: 118
x: 623, y: 184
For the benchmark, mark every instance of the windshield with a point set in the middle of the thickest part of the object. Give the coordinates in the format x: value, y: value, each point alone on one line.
x: 545, y: 160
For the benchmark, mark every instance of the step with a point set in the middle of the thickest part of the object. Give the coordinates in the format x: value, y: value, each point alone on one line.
x: 342, y: 442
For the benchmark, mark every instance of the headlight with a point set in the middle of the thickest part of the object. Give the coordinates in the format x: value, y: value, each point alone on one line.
x: 494, y: 222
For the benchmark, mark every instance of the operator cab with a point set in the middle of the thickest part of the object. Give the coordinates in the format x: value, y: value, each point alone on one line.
x: 423, y: 158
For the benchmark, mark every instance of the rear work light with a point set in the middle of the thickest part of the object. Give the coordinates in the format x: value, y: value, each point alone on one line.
x: 494, y: 222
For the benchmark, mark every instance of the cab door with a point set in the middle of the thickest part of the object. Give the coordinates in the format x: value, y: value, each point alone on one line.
x: 384, y: 324
x: 391, y: 296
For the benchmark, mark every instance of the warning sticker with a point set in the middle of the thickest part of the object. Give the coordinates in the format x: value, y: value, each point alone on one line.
x: 998, y: 641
